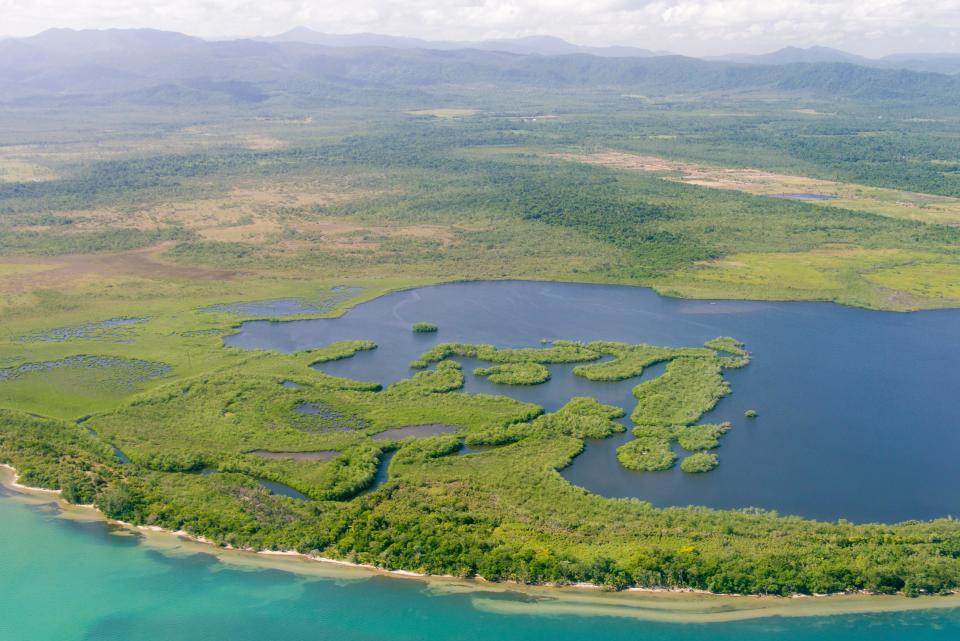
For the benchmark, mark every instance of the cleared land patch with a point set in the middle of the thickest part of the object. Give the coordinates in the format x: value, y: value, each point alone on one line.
x: 876, y: 278
x: 70, y: 385
x: 930, y: 281
x: 13, y: 170
x: 445, y: 113
x: 927, y: 208
x: 56, y: 272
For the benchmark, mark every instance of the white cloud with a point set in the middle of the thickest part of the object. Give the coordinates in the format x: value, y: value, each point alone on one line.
x: 687, y: 26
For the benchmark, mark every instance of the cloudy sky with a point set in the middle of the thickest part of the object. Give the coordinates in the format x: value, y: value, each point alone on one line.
x: 694, y: 27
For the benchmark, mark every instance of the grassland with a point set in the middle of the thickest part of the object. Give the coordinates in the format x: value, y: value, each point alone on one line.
x: 855, y: 276
x: 928, y: 208
x: 431, y: 199
x: 930, y: 281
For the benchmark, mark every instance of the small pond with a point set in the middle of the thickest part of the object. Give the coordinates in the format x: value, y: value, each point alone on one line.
x: 806, y: 196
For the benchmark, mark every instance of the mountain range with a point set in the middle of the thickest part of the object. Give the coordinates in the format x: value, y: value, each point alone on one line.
x: 539, y: 45
x: 925, y: 62
x: 63, y: 66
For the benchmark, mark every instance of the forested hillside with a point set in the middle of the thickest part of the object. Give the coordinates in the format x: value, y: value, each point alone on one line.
x: 152, y: 67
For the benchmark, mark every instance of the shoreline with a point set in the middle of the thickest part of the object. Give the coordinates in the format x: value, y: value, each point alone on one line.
x: 661, y: 289
x: 681, y: 605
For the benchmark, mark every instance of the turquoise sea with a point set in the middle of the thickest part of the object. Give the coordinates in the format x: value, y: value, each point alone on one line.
x: 70, y: 580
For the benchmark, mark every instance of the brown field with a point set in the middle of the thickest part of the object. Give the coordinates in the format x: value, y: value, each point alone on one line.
x: 28, y: 273
x: 13, y: 169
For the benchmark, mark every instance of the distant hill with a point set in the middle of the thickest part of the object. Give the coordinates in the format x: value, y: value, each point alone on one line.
x: 153, y: 67
x: 90, y: 40
x: 794, y: 55
x: 309, y: 36
x: 948, y: 63
x: 530, y: 45
x: 930, y: 63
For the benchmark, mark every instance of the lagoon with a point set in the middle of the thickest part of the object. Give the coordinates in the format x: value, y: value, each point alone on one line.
x: 858, y: 409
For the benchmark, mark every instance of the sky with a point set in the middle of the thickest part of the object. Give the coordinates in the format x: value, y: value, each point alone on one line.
x: 692, y: 27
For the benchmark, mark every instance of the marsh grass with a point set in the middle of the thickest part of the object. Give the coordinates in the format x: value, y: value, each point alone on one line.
x: 515, y: 373
x: 699, y: 462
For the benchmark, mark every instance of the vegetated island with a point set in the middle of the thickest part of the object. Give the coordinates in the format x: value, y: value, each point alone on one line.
x: 515, y: 373
x: 424, y: 328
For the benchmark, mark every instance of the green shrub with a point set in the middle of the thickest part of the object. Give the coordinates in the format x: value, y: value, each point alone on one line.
x: 699, y: 463
x: 689, y: 388
x: 515, y: 373
x: 701, y: 437
x: 647, y: 454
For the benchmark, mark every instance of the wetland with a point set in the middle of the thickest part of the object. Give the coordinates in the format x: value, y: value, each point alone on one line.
x: 822, y: 374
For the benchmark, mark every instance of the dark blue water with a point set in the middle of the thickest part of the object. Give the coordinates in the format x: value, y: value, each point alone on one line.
x: 383, y: 470
x: 858, y: 409
x: 283, y: 490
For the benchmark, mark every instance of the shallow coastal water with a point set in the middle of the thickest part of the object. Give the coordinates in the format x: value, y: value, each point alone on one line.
x: 80, y: 579
x: 853, y: 404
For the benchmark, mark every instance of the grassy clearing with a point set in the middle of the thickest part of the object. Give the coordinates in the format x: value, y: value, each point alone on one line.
x: 856, y: 276
x: 926, y: 208
x: 931, y: 281
x: 13, y: 170
x: 77, y: 384
x: 10, y: 269
x: 447, y: 113
x: 176, y: 333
